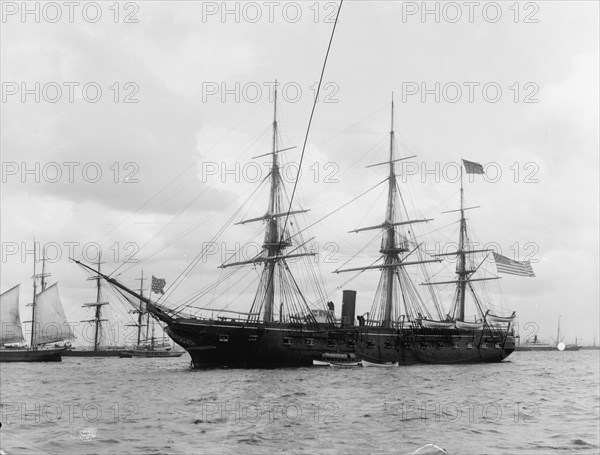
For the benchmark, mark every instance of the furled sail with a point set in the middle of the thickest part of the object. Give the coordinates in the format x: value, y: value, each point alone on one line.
x: 431, y: 324
x: 493, y: 318
x: 10, y: 322
x: 50, y: 321
x: 469, y: 325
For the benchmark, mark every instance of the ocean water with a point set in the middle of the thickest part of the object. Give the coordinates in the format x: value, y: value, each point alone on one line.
x: 532, y: 403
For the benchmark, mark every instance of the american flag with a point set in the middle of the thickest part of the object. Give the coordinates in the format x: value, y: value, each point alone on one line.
x: 158, y: 284
x: 472, y: 167
x: 506, y: 265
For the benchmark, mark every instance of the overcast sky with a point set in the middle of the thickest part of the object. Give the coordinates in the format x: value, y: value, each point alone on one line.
x: 169, y: 101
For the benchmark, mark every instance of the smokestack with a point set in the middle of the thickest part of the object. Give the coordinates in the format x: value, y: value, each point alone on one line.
x: 348, y: 308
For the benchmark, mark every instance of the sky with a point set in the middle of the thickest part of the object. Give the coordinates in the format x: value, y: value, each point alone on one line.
x: 130, y: 130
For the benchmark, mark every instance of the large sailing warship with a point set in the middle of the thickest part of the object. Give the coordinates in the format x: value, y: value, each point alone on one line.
x: 399, y: 327
x: 48, y: 323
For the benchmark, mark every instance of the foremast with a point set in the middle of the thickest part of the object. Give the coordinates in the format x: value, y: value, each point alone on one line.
x: 274, y: 243
x: 277, y: 239
x: 47, y: 310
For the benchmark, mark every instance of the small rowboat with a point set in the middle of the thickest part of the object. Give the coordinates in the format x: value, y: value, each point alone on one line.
x: 321, y: 363
x: 379, y: 365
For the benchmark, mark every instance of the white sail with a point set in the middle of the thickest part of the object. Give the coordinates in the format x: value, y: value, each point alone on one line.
x: 50, y: 321
x: 10, y: 321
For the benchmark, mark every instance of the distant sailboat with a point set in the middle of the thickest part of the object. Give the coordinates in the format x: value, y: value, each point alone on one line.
x: 562, y: 346
x: 49, y: 324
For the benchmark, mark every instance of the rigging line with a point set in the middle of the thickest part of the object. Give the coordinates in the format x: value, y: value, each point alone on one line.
x: 337, y: 288
x: 185, y: 233
x: 187, y: 168
x: 368, y: 244
x: 162, y: 229
x: 368, y: 212
x: 176, y: 178
x: 311, y: 118
x: 237, y: 297
x: 190, y: 267
x: 339, y: 208
x: 357, y: 123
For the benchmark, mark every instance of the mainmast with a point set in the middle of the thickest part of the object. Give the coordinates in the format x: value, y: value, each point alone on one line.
x: 389, y: 250
x: 272, y: 235
x: 98, y: 307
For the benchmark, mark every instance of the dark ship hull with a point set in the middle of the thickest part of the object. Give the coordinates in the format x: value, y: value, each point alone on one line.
x: 243, y: 345
x: 31, y: 355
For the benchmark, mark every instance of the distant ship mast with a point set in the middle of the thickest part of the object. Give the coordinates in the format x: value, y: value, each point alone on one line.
x: 98, y: 304
x: 42, y: 276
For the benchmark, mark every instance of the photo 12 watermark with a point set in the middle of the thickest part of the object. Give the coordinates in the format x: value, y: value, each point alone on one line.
x: 453, y: 92
x: 464, y: 412
x: 256, y: 172
x: 53, y: 252
x: 236, y: 252
x: 470, y: 12
x: 54, y: 411
x: 519, y: 251
x: 268, y: 412
x: 451, y: 171
x: 270, y: 12
x: 53, y: 92
x: 255, y: 92
x: 125, y: 334
x: 69, y: 172
x: 70, y: 12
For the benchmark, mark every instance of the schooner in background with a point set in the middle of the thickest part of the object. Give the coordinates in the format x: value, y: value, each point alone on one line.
x: 49, y: 324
